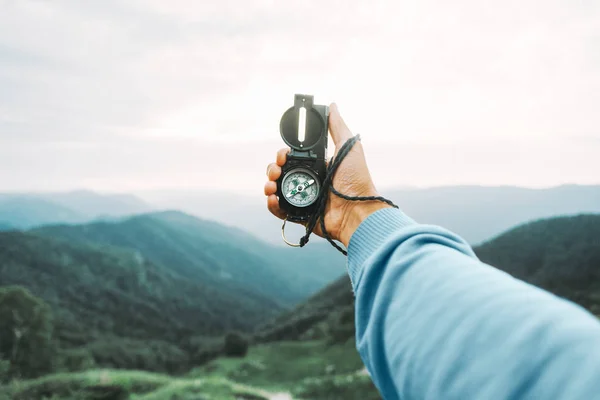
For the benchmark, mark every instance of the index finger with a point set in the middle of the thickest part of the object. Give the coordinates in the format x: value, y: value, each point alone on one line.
x: 282, y: 156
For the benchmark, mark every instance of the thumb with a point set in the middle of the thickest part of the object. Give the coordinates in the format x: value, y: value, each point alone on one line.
x: 337, y: 127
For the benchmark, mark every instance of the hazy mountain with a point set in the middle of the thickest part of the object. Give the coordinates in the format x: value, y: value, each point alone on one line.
x: 26, y: 210
x: 561, y: 255
x: 475, y: 212
x: 100, y: 292
x: 243, y: 211
x: 96, y: 205
x: 212, y: 253
x: 22, y: 212
x: 480, y: 213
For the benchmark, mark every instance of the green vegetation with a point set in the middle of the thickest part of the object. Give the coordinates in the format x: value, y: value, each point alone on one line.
x: 25, y: 334
x: 235, y: 345
x: 282, y: 365
x: 156, y: 292
x: 133, y: 385
x: 324, y: 316
x: 164, y: 293
x: 305, y: 370
x: 212, y: 254
x: 120, y: 309
x: 561, y: 255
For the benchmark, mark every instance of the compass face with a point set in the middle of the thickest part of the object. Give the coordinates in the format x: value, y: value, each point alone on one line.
x: 300, y: 187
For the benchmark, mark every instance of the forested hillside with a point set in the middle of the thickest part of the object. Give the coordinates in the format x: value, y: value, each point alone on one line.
x: 122, y: 307
x: 560, y: 254
x: 155, y: 292
x: 214, y: 254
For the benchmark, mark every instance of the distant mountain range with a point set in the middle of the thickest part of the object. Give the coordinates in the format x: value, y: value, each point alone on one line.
x: 481, y: 213
x: 561, y: 255
x: 477, y: 213
x: 27, y: 210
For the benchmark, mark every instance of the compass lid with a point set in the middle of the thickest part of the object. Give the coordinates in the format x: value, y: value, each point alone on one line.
x: 302, y: 126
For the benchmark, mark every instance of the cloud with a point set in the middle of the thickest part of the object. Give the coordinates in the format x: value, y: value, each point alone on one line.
x: 120, y: 94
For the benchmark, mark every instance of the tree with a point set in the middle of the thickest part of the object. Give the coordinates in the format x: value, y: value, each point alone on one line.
x: 236, y: 345
x: 25, y: 333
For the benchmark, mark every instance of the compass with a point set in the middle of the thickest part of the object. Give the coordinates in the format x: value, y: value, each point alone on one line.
x: 303, y: 128
x: 300, y: 187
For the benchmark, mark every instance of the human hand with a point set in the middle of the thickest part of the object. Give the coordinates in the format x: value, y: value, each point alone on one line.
x: 352, y: 178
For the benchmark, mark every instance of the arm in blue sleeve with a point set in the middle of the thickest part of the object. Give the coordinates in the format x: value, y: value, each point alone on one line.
x: 433, y: 322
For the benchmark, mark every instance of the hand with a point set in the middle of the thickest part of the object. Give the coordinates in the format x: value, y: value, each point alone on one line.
x: 342, y: 217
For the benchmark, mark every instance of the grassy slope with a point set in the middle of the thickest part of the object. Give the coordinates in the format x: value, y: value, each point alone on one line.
x: 286, y: 370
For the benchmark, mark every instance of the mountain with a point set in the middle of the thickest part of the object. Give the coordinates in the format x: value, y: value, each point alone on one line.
x: 561, y: 255
x: 27, y: 210
x: 22, y: 212
x: 156, y: 291
x: 233, y: 209
x: 479, y: 213
x: 96, y: 205
x: 211, y: 253
x: 475, y: 212
x: 98, y: 292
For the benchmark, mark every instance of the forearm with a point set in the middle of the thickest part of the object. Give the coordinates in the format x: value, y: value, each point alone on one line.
x: 434, y: 322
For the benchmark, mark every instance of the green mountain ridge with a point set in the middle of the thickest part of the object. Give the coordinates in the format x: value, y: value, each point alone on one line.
x: 213, y: 253
x: 102, y: 291
x: 561, y: 255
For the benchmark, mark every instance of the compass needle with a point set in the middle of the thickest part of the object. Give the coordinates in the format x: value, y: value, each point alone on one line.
x: 302, y: 187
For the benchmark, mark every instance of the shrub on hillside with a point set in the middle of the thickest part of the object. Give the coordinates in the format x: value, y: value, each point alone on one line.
x: 73, y: 360
x: 147, y: 355
x: 202, y: 349
x: 236, y: 345
x: 341, y: 325
x: 25, y: 333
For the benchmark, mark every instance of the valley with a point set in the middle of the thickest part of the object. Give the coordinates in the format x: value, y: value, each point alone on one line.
x: 146, y: 307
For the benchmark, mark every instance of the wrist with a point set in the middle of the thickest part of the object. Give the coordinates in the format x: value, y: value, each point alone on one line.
x: 355, y: 215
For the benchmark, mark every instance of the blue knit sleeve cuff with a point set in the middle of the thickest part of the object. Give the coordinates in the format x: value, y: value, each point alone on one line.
x: 371, y: 234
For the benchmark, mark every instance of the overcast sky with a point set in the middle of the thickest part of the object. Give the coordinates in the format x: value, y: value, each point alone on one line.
x: 138, y: 94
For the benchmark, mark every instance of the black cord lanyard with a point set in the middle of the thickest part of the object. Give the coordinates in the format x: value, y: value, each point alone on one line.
x: 319, y: 215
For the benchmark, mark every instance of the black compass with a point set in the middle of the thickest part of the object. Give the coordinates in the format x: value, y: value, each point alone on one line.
x: 303, y: 127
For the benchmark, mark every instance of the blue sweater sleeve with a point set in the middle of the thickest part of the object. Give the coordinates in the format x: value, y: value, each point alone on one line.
x: 433, y: 322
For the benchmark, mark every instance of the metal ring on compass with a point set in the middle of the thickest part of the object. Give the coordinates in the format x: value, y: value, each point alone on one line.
x: 284, y: 238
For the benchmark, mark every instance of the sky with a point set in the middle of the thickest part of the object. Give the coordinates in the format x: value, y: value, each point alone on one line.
x: 134, y: 95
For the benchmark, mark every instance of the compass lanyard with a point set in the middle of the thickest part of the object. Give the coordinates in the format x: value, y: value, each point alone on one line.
x: 319, y: 214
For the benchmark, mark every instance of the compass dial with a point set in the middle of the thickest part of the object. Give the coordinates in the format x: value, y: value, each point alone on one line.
x: 300, y: 187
